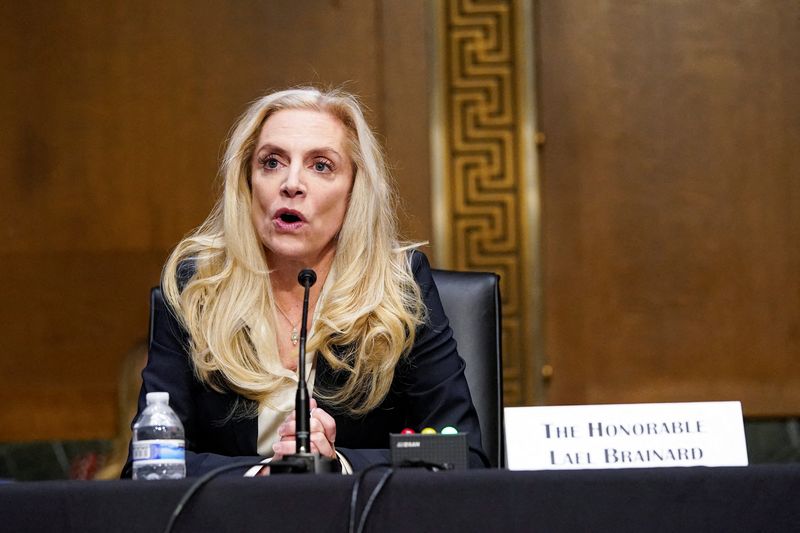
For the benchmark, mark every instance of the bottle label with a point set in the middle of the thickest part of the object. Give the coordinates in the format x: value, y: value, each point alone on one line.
x: 159, y: 451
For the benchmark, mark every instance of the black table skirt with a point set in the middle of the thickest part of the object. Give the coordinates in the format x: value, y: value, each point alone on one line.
x: 756, y: 498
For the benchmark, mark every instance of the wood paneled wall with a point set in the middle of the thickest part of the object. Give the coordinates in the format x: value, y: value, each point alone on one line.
x: 671, y: 190
x: 669, y: 181
x: 113, y: 115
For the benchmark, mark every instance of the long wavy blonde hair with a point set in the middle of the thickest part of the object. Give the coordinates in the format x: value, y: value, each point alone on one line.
x: 369, y: 315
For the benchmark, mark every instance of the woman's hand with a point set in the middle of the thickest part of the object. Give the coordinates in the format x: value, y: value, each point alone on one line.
x: 322, y: 429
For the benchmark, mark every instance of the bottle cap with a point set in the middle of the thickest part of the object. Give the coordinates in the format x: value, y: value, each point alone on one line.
x: 157, y: 397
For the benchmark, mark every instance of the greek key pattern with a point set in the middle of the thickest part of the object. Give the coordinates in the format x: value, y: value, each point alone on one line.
x: 485, y: 191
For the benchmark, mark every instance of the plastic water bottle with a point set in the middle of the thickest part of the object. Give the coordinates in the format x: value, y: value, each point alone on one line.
x: 158, y: 441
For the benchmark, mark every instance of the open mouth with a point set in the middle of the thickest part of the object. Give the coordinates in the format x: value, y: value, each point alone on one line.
x: 290, y: 218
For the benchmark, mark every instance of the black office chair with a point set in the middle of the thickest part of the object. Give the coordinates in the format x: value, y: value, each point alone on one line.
x: 471, y: 301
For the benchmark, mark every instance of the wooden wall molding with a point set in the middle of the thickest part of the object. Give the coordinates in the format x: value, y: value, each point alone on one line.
x: 485, y: 192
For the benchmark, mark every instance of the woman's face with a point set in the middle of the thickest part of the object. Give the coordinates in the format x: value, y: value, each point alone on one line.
x: 302, y: 176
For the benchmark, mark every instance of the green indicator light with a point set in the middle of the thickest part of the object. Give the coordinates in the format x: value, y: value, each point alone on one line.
x: 449, y: 430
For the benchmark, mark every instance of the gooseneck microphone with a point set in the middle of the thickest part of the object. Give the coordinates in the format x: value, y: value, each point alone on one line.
x: 306, y: 278
x: 303, y: 461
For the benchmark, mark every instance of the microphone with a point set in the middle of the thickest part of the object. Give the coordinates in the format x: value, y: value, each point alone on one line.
x: 303, y: 461
x: 306, y: 278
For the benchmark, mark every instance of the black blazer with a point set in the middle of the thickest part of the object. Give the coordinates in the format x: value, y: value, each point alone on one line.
x: 429, y: 390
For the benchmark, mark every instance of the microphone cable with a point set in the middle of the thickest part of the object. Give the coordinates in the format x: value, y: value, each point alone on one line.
x: 372, y: 497
x: 198, y: 484
x: 362, y: 521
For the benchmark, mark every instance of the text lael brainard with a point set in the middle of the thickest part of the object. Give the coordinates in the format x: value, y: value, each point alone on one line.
x: 601, y: 430
x: 625, y: 436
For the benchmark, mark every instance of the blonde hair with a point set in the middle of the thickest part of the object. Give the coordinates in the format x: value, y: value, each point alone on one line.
x: 368, y: 318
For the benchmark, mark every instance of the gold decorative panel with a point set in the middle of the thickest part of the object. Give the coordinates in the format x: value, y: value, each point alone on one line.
x: 486, y: 203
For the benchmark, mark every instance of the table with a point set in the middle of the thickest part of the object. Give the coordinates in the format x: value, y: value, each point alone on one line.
x: 755, y: 498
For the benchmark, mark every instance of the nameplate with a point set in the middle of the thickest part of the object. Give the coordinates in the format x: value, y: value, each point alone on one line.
x: 643, y: 435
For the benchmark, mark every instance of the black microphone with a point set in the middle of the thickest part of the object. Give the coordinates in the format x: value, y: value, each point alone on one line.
x: 306, y: 278
x: 303, y: 461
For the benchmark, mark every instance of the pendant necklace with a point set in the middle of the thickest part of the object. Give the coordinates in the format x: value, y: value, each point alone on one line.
x: 295, y: 336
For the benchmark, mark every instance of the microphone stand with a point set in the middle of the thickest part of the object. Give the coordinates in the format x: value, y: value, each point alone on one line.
x: 303, y: 461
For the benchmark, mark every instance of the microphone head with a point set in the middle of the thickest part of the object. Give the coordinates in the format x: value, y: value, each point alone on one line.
x: 307, y: 277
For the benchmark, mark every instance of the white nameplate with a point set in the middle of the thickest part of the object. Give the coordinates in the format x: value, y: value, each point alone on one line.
x: 642, y: 435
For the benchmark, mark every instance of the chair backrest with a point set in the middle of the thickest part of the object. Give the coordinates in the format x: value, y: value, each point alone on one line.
x: 156, y: 297
x: 471, y: 301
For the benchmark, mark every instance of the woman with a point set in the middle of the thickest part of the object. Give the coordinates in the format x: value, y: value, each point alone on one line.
x: 305, y: 186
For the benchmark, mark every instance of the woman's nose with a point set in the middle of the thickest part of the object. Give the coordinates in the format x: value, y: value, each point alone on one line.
x: 293, y: 183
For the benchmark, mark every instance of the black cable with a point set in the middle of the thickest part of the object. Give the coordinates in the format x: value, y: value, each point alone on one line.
x: 354, y: 493
x: 208, y: 476
x: 197, y: 485
x: 419, y: 463
x: 362, y: 521
x: 372, y: 497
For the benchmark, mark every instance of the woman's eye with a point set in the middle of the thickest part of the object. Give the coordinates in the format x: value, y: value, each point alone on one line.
x: 322, y: 166
x: 269, y: 163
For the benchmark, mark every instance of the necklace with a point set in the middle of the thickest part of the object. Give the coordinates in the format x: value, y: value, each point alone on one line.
x: 295, y: 336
